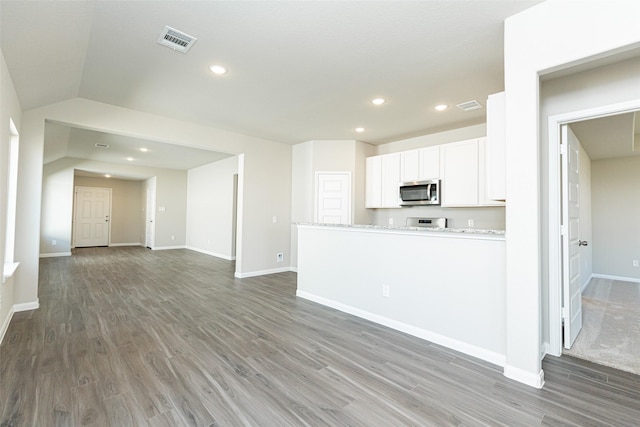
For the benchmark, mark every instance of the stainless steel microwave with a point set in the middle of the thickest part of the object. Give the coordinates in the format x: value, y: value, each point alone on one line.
x: 420, y: 193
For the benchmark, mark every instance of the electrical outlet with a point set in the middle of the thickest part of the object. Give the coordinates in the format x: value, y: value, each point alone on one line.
x: 54, y: 242
x: 635, y: 262
x: 274, y: 219
x: 173, y: 237
x: 470, y: 222
x: 279, y: 257
x: 386, y: 291
x: 390, y: 221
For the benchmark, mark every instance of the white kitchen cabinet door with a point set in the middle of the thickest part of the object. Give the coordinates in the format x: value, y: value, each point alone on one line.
x: 460, y: 173
x: 483, y: 176
x: 391, y: 180
x: 429, y: 163
x: 373, y: 182
x: 496, y: 147
x: 410, y: 165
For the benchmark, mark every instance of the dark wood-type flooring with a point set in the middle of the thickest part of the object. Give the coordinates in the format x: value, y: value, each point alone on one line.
x: 133, y: 337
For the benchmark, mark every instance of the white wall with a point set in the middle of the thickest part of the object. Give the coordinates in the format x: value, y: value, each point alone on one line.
x: 549, y: 36
x: 210, y: 208
x: 616, y: 210
x: 437, y: 138
x: 57, y: 204
x: 325, y: 156
x: 430, y: 295
x: 9, y: 109
x: 126, y: 200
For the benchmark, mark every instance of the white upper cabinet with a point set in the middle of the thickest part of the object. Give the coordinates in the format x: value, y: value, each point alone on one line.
x: 373, y: 182
x: 391, y: 180
x: 496, y: 147
x: 460, y: 173
x: 382, y: 181
x: 410, y: 165
x: 429, y: 163
x: 420, y: 165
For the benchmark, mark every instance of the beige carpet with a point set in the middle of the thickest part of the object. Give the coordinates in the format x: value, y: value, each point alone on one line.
x: 611, y: 325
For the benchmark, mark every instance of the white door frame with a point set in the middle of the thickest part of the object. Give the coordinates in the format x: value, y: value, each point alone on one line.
x: 555, y: 209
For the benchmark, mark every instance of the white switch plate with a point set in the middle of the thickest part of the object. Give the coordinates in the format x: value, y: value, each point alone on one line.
x: 470, y: 223
x: 386, y: 291
x: 635, y: 262
x: 279, y: 257
x: 274, y: 219
x: 390, y: 221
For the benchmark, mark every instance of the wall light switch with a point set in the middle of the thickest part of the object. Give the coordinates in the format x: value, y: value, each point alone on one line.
x: 274, y: 219
x: 162, y: 209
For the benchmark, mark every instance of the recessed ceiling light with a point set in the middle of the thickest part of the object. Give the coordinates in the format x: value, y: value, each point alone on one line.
x: 378, y: 101
x: 441, y: 107
x: 130, y: 159
x: 106, y: 175
x: 218, y: 69
x: 359, y: 130
x: 144, y: 150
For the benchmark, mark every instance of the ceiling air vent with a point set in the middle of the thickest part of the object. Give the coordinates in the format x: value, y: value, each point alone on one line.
x: 469, y: 105
x: 101, y: 145
x: 176, y: 40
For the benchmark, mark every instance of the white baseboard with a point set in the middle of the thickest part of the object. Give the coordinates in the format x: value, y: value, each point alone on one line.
x: 294, y: 269
x: 463, y: 347
x: 586, y: 283
x: 55, y: 254
x: 15, y: 309
x: 621, y: 278
x: 26, y: 306
x: 5, y: 324
x: 261, y: 272
x: 217, y: 255
x: 525, y: 377
x: 164, y: 248
x: 126, y: 244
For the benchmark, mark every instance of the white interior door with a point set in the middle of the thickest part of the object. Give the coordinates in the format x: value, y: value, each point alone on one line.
x: 92, y: 216
x: 333, y: 198
x: 150, y: 210
x: 571, y: 284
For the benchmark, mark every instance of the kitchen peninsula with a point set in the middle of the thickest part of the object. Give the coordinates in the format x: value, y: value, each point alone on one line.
x: 443, y: 285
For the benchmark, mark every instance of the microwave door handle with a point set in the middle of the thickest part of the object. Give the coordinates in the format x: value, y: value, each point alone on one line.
x: 429, y: 191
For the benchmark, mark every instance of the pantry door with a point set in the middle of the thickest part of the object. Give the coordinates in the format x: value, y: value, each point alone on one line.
x: 571, y: 243
x: 92, y: 217
x: 333, y: 198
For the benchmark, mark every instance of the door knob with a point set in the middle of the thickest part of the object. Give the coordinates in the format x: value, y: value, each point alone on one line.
x: 583, y: 243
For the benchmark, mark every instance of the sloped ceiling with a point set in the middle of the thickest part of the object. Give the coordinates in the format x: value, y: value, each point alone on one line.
x: 297, y: 70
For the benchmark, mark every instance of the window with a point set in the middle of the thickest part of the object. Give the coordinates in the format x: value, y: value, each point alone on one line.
x: 10, y: 265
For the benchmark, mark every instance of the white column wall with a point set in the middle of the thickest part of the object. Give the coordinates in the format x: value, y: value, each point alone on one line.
x: 546, y: 37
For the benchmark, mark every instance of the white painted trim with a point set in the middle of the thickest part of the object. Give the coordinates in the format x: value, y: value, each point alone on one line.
x: 472, y: 350
x: 126, y: 244
x: 586, y: 283
x: 621, y: 278
x: 261, y: 272
x: 55, y: 254
x: 555, y: 268
x: 9, y: 270
x: 26, y: 306
x: 525, y: 377
x: 164, y: 248
x: 293, y: 269
x: 5, y: 324
x: 217, y: 255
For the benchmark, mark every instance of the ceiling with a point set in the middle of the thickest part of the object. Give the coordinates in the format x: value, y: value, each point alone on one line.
x: 298, y: 70
x: 610, y: 137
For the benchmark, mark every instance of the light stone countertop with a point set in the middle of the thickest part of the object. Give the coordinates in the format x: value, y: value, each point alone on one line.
x: 392, y: 227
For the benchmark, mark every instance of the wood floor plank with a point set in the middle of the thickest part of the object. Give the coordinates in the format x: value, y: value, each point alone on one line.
x: 130, y: 336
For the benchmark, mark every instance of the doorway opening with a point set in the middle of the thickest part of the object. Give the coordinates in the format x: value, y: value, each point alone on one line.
x: 565, y: 286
